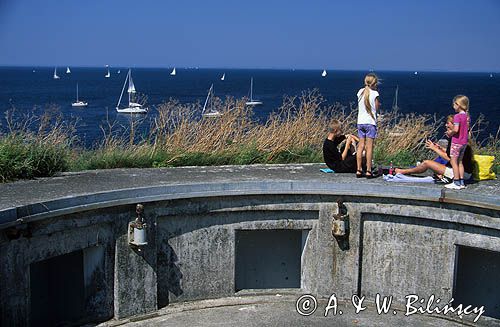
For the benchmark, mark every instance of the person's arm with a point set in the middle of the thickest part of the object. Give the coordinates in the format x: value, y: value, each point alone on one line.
x: 436, y: 148
x: 354, y: 137
x: 456, y: 126
x: 347, y: 146
x: 377, y: 104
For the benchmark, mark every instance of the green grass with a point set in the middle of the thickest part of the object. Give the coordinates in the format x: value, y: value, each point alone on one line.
x: 24, y: 159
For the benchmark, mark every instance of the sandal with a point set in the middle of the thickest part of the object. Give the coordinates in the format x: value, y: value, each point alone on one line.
x: 369, y: 175
x: 359, y: 174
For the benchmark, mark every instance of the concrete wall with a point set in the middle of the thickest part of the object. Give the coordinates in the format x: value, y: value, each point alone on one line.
x: 395, y: 247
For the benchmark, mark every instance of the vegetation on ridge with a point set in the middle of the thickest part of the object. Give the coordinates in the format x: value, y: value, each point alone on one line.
x: 37, y: 146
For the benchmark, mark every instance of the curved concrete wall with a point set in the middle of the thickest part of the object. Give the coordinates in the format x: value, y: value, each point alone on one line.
x: 402, y: 239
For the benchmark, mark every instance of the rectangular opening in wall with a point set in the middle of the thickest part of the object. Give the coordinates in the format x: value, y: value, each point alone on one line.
x: 57, y: 290
x: 476, y: 279
x: 268, y: 259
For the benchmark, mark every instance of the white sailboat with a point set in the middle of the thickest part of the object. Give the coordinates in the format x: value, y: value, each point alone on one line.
x: 133, y: 107
x: 491, y: 75
x: 78, y: 103
x: 119, y: 71
x: 68, y: 71
x: 108, y: 74
x: 415, y: 73
x: 172, y: 73
x: 55, y: 74
x: 252, y: 102
x: 395, y: 101
x: 209, y: 103
x: 223, y: 77
x: 324, y: 73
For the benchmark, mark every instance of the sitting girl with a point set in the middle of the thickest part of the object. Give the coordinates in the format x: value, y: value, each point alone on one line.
x: 344, y: 162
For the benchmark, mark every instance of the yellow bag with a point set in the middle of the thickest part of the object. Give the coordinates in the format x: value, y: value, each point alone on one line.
x: 482, y: 167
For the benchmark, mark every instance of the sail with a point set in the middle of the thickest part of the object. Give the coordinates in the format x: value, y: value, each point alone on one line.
x: 68, y: 71
x: 324, y: 73
x: 173, y: 72
x: 55, y: 73
x: 223, y: 77
x: 131, y: 86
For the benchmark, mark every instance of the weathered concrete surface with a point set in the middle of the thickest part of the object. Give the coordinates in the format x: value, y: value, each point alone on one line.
x: 280, y: 310
x: 72, y: 192
x: 403, y: 237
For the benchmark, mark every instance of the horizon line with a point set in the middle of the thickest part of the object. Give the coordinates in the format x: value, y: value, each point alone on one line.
x: 258, y: 68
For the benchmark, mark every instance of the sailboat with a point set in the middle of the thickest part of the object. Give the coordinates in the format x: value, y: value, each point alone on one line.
x: 491, y: 75
x: 133, y: 107
x: 323, y: 74
x: 209, y: 102
x: 119, y: 71
x: 395, y: 101
x: 78, y: 103
x: 415, y: 73
x: 173, y: 72
x: 108, y: 74
x: 68, y: 71
x: 55, y: 74
x: 223, y: 77
x: 252, y: 102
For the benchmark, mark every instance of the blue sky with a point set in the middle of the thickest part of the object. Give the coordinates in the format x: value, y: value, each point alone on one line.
x: 444, y: 35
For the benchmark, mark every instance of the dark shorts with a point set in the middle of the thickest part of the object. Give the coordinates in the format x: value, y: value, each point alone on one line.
x: 367, y: 131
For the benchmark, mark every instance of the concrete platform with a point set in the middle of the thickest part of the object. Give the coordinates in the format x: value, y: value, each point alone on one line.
x: 25, y: 201
x: 279, y: 310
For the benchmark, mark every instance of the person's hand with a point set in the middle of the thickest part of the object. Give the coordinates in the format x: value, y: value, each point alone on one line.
x: 430, y: 145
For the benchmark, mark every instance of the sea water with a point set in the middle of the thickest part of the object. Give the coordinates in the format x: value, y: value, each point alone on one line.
x: 33, y: 88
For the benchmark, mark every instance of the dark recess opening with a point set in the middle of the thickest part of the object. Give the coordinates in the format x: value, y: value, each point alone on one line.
x: 477, y: 281
x: 268, y: 259
x: 57, y: 290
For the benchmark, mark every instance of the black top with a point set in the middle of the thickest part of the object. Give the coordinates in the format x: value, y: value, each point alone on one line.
x: 331, y: 153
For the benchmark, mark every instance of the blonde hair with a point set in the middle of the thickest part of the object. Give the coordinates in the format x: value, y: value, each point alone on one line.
x: 371, y: 81
x: 335, y: 127
x: 462, y: 101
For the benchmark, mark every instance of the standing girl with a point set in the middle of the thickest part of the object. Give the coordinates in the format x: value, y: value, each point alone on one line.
x: 368, y: 104
x: 459, y: 139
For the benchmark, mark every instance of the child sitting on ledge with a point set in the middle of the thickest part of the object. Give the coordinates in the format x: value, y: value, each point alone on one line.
x: 344, y: 162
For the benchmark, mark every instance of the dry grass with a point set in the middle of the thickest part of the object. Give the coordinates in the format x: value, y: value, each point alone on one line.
x: 180, y: 135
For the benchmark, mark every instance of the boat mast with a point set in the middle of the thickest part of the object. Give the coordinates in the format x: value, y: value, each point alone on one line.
x: 395, y: 102
x: 251, y: 89
x: 76, y: 92
x: 206, y: 100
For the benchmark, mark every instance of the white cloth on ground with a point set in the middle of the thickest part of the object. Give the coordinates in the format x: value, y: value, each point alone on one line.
x: 407, y: 179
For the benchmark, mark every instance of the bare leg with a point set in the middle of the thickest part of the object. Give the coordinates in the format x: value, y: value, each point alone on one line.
x: 369, y: 154
x: 359, y: 154
x: 461, y: 169
x: 427, y: 164
x: 456, y: 170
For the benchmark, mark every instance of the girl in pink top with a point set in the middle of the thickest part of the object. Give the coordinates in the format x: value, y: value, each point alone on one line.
x: 460, y: 136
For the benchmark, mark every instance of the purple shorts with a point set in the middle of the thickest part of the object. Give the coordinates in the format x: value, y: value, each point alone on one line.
x: 367, y: 131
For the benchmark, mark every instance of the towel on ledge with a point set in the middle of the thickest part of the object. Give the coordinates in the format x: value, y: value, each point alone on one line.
x: 407, y: 179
